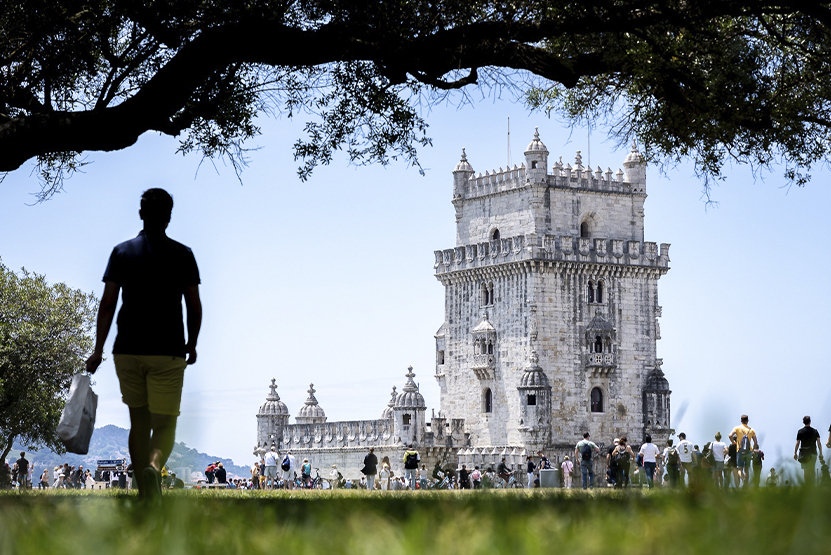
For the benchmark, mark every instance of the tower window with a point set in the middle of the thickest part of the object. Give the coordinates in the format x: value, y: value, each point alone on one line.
x: 532, y: 400
x: 440, y: 357
x: 597, y: 400
x: 599, y: 295
x: 584, y: 229
x: 591, y: 292
x: 483, y: 294
x: 488, y: 400
x: 598, y: 344
x: 490, y: 347
x: 490, y: 293
x: 533, y: 164
x: 495, y: 235
x: 406, y: 419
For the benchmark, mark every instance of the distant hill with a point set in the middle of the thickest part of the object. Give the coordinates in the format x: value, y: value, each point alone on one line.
x: 110, y: 442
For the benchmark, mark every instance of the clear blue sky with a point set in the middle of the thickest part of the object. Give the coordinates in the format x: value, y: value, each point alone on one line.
x: 331, y: 281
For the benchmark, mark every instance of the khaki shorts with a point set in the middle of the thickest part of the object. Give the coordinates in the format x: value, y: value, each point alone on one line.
x: 151, y: 381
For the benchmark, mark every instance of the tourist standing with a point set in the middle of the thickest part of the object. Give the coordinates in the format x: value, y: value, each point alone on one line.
x: 22, y: 466
x: 464, y: 477
x: 271, y: 460
x: 622, y: 456
x: 306, y: 473
x: 686, y: 452
x: 672, y: 463
x: 220, y: 474
x: 757, y: 456
x: 649, y: 451
x: 288, y: 468
x: 210, y: 473
x: 773, y: 479
x: 384, y: 476
x: 805, y: 450
x: 530, y: 469
x: 583, y: 452
x: 476, y: 477
x: 567, y: 467
x: 153, y: 273
x: 611, y: 465
x: 719, y: 451
x: 370, y: 468
x: 411, y: 460
x: 743, y: 434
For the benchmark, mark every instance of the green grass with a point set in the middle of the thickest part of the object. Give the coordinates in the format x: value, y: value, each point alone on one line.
x: 775, y: 521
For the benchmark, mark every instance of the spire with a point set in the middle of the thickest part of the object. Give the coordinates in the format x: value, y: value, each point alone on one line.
x: 463, y: 165
x: 410, y: 385
x: 273, y: 395
x: 311, y: 400
x: 392, y: 399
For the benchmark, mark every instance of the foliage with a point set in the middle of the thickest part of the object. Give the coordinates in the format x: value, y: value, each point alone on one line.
x: 45, y: 335
x: 742, y: 80
x: 772, y: 521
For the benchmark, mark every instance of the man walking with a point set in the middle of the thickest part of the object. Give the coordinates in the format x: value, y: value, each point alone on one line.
x: 153, y: 274
x: 686, y: 452
x: 411, y: 460
x: 370, y: 468
x: 743, y: 433
x: 650, y: 453
x: 805, y: 450
x: 288, y: 467
x: 583, y: 453
x: 530, y: 467
x: 22, y: 465
x: 271, y: 459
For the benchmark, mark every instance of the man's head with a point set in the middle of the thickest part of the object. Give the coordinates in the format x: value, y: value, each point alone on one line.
x: 647, y: 438
x: 22, y: 454
x: 616, y: 441
x: 718, y: 436
x: 744, y: 419
x: 372, y: 449
x: 274, y: 448
x: 682, y: 435
x: 156, y: 206
x: 585, y: 435
x: 669, y: 443
x: 805, y: 420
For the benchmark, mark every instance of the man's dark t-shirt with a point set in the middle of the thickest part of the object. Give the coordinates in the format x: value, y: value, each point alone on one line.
x: 22, y: 467
x: 153, y: 275
x: 807, y: 438
x: 612, y: 463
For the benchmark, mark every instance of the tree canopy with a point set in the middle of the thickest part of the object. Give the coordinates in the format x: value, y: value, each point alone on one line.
x: 708, y: 80
x: 45, y: 336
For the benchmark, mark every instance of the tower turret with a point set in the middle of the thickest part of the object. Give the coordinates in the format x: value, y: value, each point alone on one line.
x: 409, y: 412
x: 311, y: 412
x: 536, y: 159
x: 635, y: 169
x: 535, y: 400
x: 272, y: 418
x: 656, y: 411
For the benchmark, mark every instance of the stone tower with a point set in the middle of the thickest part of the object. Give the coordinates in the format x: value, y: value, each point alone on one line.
x: 408, y: 413
x: 272, y: 419
x: 551, y: 306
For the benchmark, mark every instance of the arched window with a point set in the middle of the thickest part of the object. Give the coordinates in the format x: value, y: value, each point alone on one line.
x: 532, y: 400
x: 591, y: 292
x: 495, y: 235
x: 488, y: 400
x: 599, y: 295
x: 597, y: 400
x: 490, y: 293
x: 584, y: 229
x: 476, y: 347
x: 483, y: 293
x: 406, y: 419
x: 598, y: 344
x: 533, y: 164
x: 490, y: 347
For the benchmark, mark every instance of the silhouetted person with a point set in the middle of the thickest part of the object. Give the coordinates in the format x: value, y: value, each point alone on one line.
x: 805, y: 450
x: 153, y: 273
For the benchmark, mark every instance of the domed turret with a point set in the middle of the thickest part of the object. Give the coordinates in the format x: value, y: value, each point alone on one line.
x: 536, y: 145
x: 535, y: 401
x: 388, y: 413
x: 461, y: 175
x: 273, y: 406
x: 635, y: 167
x: 311, y: 412
x: 410, y: 398
x: 536, y: 159
x: 272, y: 418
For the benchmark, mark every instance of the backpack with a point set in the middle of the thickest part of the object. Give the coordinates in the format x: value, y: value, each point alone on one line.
x: 745, y: 445
x: 411, y: 461
x: 621, y: 458
x: 672, y: 457
x: 545, y: 464
x: 586, y: 452
x: 286, y: 464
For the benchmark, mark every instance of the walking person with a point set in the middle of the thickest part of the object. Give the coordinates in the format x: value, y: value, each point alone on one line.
x: 567, y: 467
x: 805, y: 450
x: 622, y: 456
x: 719, y: 451
x: 288, y: 470
x: 464, y: 478
x: 686, y: 458
x: 757, y: 456
x: 530, y: 467
x: 583, y: 452
x: 384, y: 476
x: 743, y: 434
x: 672, y: 463
x: 411, y: 460
x: 22, y: 466
x: 153, y: 274
x: 271, y: 460
x: 476, y: 477
x: 650, y: 453
x: 370, y: 468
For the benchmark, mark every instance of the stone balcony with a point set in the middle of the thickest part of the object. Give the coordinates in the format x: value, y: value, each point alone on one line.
x: 484, y: 366
x: 601, y: 364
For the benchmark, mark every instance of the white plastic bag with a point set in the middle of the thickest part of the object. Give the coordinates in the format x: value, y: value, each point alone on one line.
x: 78, y: 418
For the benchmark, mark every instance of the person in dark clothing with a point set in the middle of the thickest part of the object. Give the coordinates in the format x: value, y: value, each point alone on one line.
x: 530, y: 467
x: 153, y: 273
x: 220, y: 474
x: 23, y: 471
x: 805, y: 450
x: 370, y: 468
x: 464, y: 478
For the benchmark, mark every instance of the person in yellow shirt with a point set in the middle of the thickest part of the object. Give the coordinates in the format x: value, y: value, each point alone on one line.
x: 744, y: 448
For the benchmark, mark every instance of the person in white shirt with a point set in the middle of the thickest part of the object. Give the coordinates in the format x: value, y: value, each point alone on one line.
x: 685, y: 456
x: 719, y: 451
x: 271, y: 460
x: 650, y: 454
x: 568, y: 468
x: 288, y: 475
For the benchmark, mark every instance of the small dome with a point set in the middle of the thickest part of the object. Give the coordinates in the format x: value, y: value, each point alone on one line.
x: 388, y: 412
x: 599, y: 323
x: 656, y: 382
x: 634, y: 157
x: 536, y: 145
x: 463, y: 165
x: 410, y: 398
x: 310, y: 412
x: 533, y: 377
x: 273, y: 406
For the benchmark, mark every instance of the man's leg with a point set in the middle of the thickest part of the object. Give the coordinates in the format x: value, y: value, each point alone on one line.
x: 162, y: 440
x: 584, y: 473
x: 139, y: 443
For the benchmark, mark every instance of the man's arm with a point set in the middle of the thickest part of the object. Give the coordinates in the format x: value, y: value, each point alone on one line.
x: 733, y: 435
x: 194, y: 308
x: 819, y: 446
x: 106, y: 312
x: 795, y: 449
